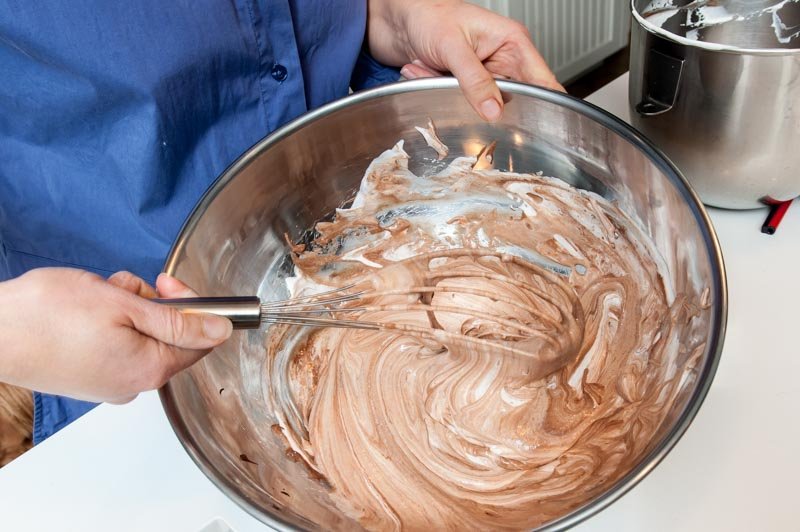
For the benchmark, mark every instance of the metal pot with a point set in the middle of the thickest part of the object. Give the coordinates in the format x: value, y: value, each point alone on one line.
x: 234, y: 243
x: 725, y: 109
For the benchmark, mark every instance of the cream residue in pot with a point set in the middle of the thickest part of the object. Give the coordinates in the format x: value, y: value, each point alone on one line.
x: 408, y: 433
x: 700, y: 15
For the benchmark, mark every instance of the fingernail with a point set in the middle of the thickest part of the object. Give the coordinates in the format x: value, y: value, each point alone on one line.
x: 418, y: 63
x: 406, y: 73
x: 217, y: 328
x: 490, y: 110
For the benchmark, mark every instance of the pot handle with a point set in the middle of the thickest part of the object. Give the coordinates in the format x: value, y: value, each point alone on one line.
x: 662, y: 76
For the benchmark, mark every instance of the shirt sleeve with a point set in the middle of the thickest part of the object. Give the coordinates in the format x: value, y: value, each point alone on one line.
x: 370, y: 73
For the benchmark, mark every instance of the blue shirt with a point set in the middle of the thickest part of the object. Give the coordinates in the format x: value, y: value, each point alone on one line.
x: 115, y: 117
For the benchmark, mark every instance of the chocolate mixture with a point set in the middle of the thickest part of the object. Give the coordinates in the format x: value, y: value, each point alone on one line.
x: 413, y: 432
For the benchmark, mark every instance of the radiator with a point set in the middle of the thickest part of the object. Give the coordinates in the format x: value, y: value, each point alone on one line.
x: 572, y: 35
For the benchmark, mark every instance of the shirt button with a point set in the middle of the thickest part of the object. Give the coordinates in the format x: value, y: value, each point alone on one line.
x: 279, y: 72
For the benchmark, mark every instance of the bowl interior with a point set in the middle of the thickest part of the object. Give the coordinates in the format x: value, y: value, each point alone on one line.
x: 234, y: 243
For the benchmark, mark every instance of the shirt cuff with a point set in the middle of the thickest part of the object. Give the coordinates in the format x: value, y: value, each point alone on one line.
x: 52, y: 413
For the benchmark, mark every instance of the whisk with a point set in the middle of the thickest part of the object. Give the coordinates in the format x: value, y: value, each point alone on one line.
x: 310, y: 311
x: 523, y: 324
x: 249, y: 312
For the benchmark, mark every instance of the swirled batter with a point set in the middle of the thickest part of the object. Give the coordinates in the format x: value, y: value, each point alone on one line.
x: 410, y: 431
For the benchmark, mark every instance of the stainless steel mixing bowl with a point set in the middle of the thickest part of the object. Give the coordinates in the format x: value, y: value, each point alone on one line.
x: 233, y: 243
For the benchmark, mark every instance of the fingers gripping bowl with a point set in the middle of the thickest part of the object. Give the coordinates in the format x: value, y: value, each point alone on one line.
x: 234, y: 243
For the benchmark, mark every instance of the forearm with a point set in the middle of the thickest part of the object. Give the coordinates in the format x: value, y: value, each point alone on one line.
x: 388, y: 28
x: 385, y: 33
x: 13, y: 359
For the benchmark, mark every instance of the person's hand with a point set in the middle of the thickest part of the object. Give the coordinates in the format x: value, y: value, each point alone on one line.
x: 474, y: 44
x: 72, y: 333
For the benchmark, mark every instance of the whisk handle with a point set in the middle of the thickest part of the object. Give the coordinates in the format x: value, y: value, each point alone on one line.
x: 244, y: 312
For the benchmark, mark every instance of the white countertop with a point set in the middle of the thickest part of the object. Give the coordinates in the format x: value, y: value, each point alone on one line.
x: 121, y: 467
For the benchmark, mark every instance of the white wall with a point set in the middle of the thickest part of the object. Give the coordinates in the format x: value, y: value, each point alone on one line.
x: 572, y: 35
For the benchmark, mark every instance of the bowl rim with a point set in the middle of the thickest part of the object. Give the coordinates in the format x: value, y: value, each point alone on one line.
x: 618, y: 126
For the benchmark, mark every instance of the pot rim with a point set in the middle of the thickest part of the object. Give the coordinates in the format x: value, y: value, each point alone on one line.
x: 719, y: 285
x: 708, y: 46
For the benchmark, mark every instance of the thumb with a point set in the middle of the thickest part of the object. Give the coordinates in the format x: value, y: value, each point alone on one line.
x: 477, y: 83
x: 170, y: 287
x: 183, y: 330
